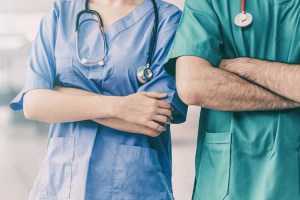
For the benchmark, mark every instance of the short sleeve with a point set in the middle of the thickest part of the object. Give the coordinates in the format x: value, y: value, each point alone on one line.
x: 162, y: 81
x: 198, y: 34
x: 40, y: 71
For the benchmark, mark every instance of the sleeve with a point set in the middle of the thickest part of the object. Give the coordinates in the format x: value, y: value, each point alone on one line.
x: 40, y: 71
x: 162, y: 81
x: 198, y: 34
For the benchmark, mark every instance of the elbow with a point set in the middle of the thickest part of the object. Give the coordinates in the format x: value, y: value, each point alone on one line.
x: 187, y: 97
x: 195, y: 94
x: 30, y: 112
x: 186, y: 93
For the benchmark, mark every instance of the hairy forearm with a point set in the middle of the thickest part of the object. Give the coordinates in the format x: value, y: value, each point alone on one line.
x: 111, y: 122
x: 280, y: 78
x: 56, y: 107
x: 217, y: 89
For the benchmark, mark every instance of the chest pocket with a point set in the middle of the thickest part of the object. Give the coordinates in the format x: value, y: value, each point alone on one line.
x: 71, y: 73
x: 65, y: 75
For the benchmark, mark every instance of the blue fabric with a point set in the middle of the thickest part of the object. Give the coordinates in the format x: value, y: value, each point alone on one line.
x: 86, y: 160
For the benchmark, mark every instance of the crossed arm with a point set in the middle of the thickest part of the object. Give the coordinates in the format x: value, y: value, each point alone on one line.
x: 231, y: 88
x: 142, y: 112
x: 112, y: 122
x: 280, y: 78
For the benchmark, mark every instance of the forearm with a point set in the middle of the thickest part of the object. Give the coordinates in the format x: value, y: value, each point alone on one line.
x: 53, y: 106
x: 221, y: 90
x: 125, y: 126
x: 281, y: 78
x: 111, y: 122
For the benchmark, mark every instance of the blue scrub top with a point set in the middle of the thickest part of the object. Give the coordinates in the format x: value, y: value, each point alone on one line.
x: 86, y: 160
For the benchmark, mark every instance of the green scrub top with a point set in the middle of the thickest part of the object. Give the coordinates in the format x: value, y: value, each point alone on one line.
x: 244, y: 155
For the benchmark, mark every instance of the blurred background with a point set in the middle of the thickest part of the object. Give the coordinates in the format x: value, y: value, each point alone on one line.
x: 23, y: 143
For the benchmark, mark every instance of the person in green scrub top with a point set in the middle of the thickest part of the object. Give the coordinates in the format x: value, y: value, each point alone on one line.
x: 246, y: 78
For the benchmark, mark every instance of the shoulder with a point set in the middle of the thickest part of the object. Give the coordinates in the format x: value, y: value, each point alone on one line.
x: 61, y: 13
x: 168, y: 13
x: 64, y: 9
x: 167, y: 10
x: 66, y: 6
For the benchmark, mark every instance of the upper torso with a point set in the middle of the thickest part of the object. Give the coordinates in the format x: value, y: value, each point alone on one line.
x: 263, y: 146
x: 274, y: 35
x: 107, y: 163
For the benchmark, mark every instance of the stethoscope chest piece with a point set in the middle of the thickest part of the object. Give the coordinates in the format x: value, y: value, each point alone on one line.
x: 144, y: 74
x: 243, y: 19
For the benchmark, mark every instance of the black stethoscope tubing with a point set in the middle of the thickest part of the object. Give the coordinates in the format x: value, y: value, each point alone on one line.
x: 153, y: 33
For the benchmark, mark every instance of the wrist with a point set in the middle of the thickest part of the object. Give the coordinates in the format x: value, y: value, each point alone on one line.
x: 110, y: 106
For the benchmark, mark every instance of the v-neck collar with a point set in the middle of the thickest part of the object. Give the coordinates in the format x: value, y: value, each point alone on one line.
x: 125, y: 22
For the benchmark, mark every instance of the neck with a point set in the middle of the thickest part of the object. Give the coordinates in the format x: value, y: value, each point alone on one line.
x: 115, y: 1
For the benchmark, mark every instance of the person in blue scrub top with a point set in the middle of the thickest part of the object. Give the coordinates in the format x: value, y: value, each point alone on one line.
x: 109, y: 136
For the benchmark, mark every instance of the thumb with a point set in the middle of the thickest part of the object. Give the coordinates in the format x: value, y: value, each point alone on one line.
x: 155, y: 95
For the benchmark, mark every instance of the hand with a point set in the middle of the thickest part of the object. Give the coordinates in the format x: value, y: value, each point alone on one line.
x: 146, y: 109
x: 123, y: 125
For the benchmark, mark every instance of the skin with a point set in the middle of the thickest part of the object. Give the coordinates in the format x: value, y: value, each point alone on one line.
x: 281, y: 78
x: 114, y: 122
x: 199, y: 83
x: 113, y: 10
x: 142, y: 112
x: 143, y: 109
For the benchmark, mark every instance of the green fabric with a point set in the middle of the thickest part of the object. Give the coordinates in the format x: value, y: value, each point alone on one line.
x: 244, y: 155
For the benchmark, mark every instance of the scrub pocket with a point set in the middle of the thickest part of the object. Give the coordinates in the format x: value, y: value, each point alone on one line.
x: 57, y: 172
x: 65, y: 74
x: 137, y: 175
x: 214, y: 169
x: 299, y: 167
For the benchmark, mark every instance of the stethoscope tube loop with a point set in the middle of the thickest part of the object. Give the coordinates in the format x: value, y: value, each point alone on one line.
x: 85, y: 61
x: 144, y: 73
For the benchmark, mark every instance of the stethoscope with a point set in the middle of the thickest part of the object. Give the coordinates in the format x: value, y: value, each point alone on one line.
x: 144, y: 73
x: 243, y: 19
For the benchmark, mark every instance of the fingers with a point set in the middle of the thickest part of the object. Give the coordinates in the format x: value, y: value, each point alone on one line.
x: 155, y: 95
x: 162, y: 119
x: 163, y: 104
x: 156, y: 126
x: 164, y: 112
x: 152, y: 133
